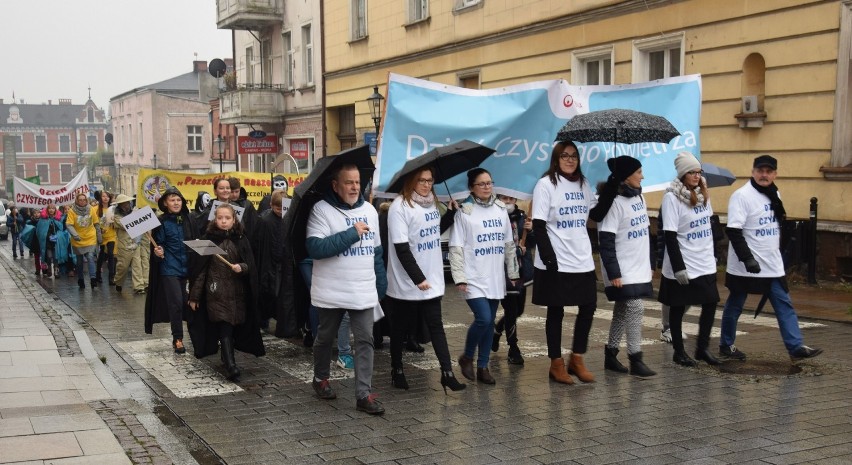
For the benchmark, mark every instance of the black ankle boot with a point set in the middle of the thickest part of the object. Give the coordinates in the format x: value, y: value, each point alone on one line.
x: 495, y: 343
x: 704, y: 354
x: 82, y: 283
x: 94, y: 283
x: 230, y: 364
x: 682, y: 359
x: 514, y: 357
x: 448, y: 380
x: 638, y: 368
x: 398, y: 379
x: 611, y: 361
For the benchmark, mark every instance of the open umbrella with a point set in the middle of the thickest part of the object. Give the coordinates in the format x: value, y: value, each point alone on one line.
x: 448, y: 161
x: 716, y: 176
x: 618, y: 126
x: 315, y: 186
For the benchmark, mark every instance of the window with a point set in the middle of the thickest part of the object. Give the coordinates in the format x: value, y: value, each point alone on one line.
x: 592, y: 66
x: 19, y: 143
x: 469, y: 81
x: 121, y: 141
x: 359, y: 19
x: 91, y: 143
x: 90, y: 114
x: 266, y: 61
x: 64, y: 143
x: 841, y: 144
x: 41, y: 143
x: 289, y: 64
x: 466, y: 3
x: 346, y: 135
x: 66, y: 174
x: 140, y: 138
x: 307, y: 56
x: 43, y: 172
x: 20, y: 171
x: 302, y: 150
x: 130, y: 139
x: 193, y: 139
x: 249, y: 65
x: 418, y: 10
x: 658, y: 57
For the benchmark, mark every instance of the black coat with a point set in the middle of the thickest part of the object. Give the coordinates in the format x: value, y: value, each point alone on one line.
x: 204, y: 333
x: 275, y: 274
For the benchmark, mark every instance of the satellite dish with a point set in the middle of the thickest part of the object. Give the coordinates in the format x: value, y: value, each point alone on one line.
x: 217, y: 67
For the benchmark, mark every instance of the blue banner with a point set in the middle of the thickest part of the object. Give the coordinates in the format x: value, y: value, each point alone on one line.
x: 520, y: 122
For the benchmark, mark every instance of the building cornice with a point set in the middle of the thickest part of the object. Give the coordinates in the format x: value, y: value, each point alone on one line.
x: 619, y: 9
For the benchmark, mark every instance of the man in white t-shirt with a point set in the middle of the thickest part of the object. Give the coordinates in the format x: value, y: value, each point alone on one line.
x: 348, y: 276
x: 755, y: 266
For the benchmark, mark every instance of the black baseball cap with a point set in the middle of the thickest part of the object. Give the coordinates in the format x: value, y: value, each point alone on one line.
x: 765, y: 160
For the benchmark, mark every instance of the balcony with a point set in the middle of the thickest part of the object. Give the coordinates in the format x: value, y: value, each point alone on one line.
x: 253, y: 104
x: 253, y: 15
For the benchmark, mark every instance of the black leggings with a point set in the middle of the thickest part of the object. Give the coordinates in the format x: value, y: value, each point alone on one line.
x: 513, y: 307
x: 402, y: 312
x: 582, y: 327
x: 705, y: 325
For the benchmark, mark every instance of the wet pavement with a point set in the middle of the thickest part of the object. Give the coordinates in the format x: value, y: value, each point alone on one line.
x: 169, y: 407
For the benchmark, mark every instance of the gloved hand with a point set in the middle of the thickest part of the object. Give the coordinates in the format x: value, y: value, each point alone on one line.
x: 682, y: 277
x: 552, y: 266
x: 752, y: 266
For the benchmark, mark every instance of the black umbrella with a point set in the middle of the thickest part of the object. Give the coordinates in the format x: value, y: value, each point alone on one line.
x: 448, y: 161
x: 618, y: 126
x: 314, y: 188
x: 716, y: 176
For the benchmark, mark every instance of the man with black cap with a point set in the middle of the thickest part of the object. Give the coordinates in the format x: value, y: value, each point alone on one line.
x: 755, y: 212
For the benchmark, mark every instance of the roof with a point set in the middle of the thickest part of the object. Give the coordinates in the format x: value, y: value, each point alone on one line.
x: 44, y: 115
x: 183, y: 83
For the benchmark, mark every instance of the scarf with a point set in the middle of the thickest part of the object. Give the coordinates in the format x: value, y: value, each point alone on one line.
x: 684, y: 194
x: 628, y: 191
x: 484, y: 203
x: 424, y: 201
x: 81, y: 211
x: 573, y: 177
x: 775, y: 203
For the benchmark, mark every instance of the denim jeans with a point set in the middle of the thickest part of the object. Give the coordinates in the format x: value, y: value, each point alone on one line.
x: 87, y: 257
x: 788, y: 322
x: 481, y: 331
x: 16, y: 241
x: 343, y: 345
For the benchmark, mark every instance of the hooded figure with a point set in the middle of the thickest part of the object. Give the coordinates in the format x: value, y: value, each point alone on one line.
x: 129, y: 254
x: 169, y: 269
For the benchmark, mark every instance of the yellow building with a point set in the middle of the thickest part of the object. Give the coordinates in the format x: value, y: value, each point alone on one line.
x: 773, y: 81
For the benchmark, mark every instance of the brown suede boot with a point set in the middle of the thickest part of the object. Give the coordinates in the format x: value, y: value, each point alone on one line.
x: 558, y: 373
x: 577, y: 368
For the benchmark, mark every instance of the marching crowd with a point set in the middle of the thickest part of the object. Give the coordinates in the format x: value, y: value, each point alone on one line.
x: 362, y: 264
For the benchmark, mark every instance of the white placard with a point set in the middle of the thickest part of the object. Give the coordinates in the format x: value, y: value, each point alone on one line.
x: 216, y: 204
x: 204, y: 247
x: 140, y: 221
x: 285, y: 205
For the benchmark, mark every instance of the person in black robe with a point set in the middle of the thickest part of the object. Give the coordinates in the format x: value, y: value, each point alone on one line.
x: 276, y: 297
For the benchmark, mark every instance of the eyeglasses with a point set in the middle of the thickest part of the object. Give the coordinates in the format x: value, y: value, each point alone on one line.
x: 569, y: 156
x: 426, y: 181
x: 483, y: 185
x: 694, y: 173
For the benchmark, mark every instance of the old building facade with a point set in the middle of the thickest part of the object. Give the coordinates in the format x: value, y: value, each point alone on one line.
x: 775, y: 75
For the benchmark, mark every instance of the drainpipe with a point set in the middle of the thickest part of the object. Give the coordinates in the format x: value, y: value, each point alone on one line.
x: 322, y: 80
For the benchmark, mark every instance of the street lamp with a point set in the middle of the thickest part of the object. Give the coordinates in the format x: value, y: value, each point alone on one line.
x: 375, y: 102
x: 155, y: 161
x: 220, y: 147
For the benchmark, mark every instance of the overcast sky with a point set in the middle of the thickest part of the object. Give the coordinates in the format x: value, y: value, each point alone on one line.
x: 52, y: 49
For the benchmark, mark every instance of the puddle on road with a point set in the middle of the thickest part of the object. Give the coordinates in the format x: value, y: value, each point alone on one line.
x: 764, y: 366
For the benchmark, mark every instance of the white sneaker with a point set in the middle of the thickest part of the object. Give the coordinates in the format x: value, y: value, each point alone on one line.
x: 666, y: 335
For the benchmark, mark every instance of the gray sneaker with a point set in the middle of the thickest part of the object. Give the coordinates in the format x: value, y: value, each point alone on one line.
x: 731, y: 352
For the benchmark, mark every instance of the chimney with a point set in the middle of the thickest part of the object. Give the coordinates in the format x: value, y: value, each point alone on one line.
x: 50, y: 102
x: 199, y: 66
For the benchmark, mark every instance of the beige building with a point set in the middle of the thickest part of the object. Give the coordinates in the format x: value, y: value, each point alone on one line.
x: 163, y: 125
x: 776, y: 75
x: 278, y: 80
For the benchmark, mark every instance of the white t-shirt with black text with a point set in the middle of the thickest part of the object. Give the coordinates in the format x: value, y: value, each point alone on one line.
x: 346, y: 280
x: 694, y: 236
x: 482, y: 235
x: 565, y: 208
x: 628, y: 220
x: 420, y: 228
x: 751, y: 211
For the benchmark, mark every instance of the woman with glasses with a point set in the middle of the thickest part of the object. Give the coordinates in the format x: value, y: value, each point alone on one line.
x: 482, y: 251
x: 416, y: 272
x: 564, y: 268
x: 689, y: 265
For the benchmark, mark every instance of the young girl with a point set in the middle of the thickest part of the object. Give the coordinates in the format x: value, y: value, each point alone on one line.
x: 107, y: 245
x: 52, y: 240
x: 225, y: 292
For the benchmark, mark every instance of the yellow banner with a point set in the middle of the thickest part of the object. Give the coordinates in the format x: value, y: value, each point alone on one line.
x: 152, y: 184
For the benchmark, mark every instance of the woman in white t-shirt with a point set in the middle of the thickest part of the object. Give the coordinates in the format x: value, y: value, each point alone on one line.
x: 689, y: 265
x: 416, y: 272
x: 481, y: 248
x: 564, y: 268
x: 625, y: 248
